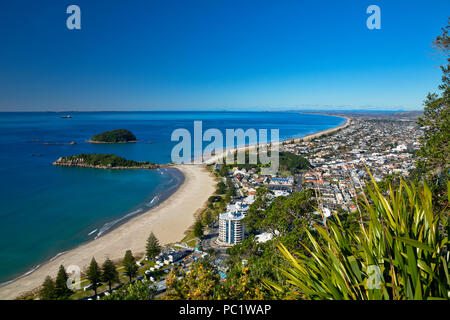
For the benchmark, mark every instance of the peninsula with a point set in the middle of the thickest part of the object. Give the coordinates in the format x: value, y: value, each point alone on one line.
x: 114, y: 136
x: 102, y: 161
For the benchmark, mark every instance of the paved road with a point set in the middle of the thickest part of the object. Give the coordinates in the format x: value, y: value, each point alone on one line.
x: 209, y: 241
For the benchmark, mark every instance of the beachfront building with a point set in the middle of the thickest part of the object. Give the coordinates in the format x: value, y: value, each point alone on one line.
x: 231, y: 228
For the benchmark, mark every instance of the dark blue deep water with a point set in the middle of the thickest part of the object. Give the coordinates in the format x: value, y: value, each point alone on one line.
x: 45, y: 210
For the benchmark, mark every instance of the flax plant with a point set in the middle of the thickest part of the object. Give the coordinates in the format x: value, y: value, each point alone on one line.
x: 401, y: 253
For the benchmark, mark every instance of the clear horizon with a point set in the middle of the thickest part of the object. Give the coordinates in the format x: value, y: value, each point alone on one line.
x: 222, y: 110
x: 219, y: 56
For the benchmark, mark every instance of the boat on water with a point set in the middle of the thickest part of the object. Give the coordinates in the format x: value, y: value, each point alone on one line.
x: 66, y: 116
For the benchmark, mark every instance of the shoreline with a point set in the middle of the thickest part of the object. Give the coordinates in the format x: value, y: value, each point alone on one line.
x: 169, y: 220
x: 308, y: 137
x: 130, y: 233
x: 89, y: 166
x: 311, y: 136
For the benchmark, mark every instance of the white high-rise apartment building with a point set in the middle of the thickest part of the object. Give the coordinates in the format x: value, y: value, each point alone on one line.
x: 231, y: 227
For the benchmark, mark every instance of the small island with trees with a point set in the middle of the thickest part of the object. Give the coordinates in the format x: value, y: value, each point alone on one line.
x: 114, y: 136
x: 102, y: 161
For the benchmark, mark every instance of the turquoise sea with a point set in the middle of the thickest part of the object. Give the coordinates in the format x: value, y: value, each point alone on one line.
x: 46, y: 210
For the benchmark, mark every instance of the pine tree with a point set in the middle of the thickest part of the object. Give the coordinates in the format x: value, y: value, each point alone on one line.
x: 153, y: 248
x: 94, y: 274
x: 48, y: 290
x: 129, y: 262
x: 110, y: 274
x: 61, y: 289
x: 198, y: 228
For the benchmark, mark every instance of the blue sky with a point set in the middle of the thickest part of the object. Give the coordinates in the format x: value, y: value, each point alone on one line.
x: 218, y: 54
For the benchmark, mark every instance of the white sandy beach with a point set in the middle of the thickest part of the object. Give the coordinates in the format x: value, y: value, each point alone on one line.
x: 321, y: 133
x: 222, y: 154
x: 168, y: 221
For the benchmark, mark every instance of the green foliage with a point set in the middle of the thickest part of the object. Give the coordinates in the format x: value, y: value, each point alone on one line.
x: 221, y: 188
x: 242, y: 284
x: 200, y: 283
x: 48, y: 291
x: 223, y: 171
x: 61, y: 289
x: 94, y: 275
x: 255, y: 212
x: 350, y: 220
x: 213, y: 199
x: 287, y: 161
x: 109, y: 273
x: 290, y: 216
x: 208, y: 217
x: 114, y: 136
x: 285, y: 213
x: 198, y: 228
x: 105, y: 160
x: 129, y: 262
x: 152, y: 248
x: 231, y: 191
x: 133, y: 291
x: 404, y: 240
x: 390, y: 180
x: 292, y: 162
x: 434, y: 162
x: 261, y: 259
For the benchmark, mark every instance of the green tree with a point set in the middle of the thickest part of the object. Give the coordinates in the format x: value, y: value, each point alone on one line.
x: 286, y: 213
x: 152, y: 248
x: 208, y: 217
x: 213, y: 199
x: 94, y: 274
x: 109, y: 274
x: 292, y: 162
x: 133, y: 291
x: 48, y: 290
x: 434, y: 160
x: 231, y: 192
x: 221, y: 188
x: 241, y: 286
x: 61, y: 289
x: 223, y: 170
x: 198, y: 228
x: 129, y: 262
x: 201, y: 283
x: 255, y: 212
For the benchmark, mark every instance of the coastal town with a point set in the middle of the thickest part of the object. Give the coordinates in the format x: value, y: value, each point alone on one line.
x: 334, y: 164
x: 339, y: 165
x: 209, y: 159
x: 340, y: 162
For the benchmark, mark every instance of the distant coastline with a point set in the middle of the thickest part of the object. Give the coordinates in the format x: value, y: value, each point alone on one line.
x: 323, y: 132
x: 308, y: 137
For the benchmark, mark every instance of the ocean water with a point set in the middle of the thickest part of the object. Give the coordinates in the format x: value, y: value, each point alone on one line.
x: 46, y: 210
